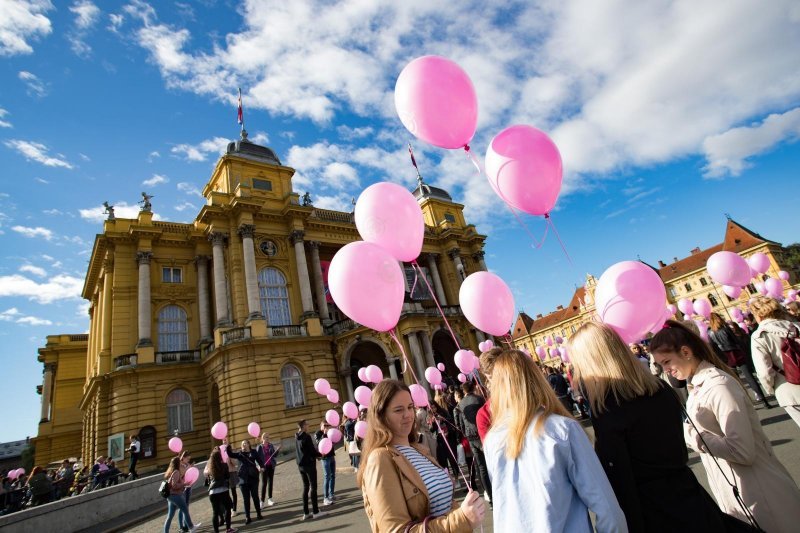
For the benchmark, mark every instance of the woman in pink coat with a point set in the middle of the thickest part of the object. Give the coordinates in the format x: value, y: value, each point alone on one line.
x: 729, y: 429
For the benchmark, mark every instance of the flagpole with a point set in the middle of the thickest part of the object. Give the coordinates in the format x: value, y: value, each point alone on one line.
x: 241, y: 111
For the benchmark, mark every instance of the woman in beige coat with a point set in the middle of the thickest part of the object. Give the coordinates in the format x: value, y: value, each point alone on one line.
x: 774, y: 324
x: 729, y: 429
x: 404, y: 488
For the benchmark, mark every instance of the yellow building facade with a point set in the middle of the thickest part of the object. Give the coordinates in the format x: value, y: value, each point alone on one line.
x: 683, y: 278
x: 228, y: 317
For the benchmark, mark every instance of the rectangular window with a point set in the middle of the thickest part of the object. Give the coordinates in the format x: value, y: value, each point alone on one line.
x: 703, y: 282
x: 262, y: 185
x: 171, y: 275
x: 179, y: 417
x: 687, y: 286
x: 673, y: 292
x: 449, y: 217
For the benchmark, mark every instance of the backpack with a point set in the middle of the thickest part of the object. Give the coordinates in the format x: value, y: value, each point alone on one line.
x: 790, y: 354
x: 163, y: 489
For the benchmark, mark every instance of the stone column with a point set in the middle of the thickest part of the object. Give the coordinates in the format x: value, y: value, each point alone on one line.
x: 47, y: 390
x: 392, y: 369
x: 108, y: 273
x: 428, y: 348
x: 319, y: 284
x: 145, y: 320
x: 455, y: 255
x: 437, y: 281
x: 478, y: 258
x: 302, y: 271
x: 348, y: 382
x: 201, y: 261
x: 247, y: 231
x: 220, y: 287
x: 419, y: 364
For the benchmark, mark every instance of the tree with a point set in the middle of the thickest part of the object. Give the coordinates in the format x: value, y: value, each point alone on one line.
x: 792, y: 254
x: 27, y: 457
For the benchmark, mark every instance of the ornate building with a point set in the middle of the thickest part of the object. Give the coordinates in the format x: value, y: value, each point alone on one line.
x: 229, y: 318
x: 683, y: 278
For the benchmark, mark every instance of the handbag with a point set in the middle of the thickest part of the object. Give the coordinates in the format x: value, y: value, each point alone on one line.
x: 413, y: 523
x: 163, y: 489
x: 352, y: 448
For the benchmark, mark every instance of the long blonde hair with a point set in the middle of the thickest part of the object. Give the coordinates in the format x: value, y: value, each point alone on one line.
x: 519, y: 391
x: 378, y: 432
x: 605, y: 365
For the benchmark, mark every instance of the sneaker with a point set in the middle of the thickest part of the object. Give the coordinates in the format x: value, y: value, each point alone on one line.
x: 194, y: 528
x: 263, y: 504
x: 247, y: 520
x: 308, y: 516
x: 231, y: 530
x: 320, y: 514
x: 326, y: 501
x: 270, y: 502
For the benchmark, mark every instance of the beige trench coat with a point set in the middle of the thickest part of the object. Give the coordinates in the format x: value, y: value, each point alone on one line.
x: 729, y: 426
x: 766, y: 348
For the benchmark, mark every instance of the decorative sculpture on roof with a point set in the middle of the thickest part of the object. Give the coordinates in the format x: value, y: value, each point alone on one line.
x: 145, y: 202
x: 109, y: 210
x: 307, y: 200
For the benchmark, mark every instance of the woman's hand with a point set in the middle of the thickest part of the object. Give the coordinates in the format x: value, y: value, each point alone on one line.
x: 474, y: 508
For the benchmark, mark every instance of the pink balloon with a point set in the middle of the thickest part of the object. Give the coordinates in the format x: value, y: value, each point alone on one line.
x: 783, y: 275
x: 175, y: 445
x: 792, y: 294
x: 753, y: 273
x: 191, y: 475
x: 703, y: 329
x: 630, y: 297
x: 702, y: 307
x: 462, y: 378
x: 322, y: 386
x: 487, y: 302
x: 388, y: 215
x: 335, y: 435
x: 436, y: 102
x: 361, y: 429
x: 362, y: 395
x: 367, y: 285
x: 774, y: 287
x: 549, y: 341
x: 325, y: 446
x: 761, y: 288
x: 733, y: 292
x: 685, y: 305
x: 362, y: 374
x: 333, y: 396
x: 524, y: 168
x: 486, y: 345
x: 559, y: 340
x: 332, y: 417
x: 433, y: 375
x: 419, y: 395
x: 463, y: 361
x: 555, y: 352
x: 541, y: 352
x: 564, y: 354
x: 759, y: 262
x: 12, y: 474
x: 20, y: 472
x: 219, y: 430
x: 672, y: 309
x: 441, y: 367
x: 374, y: 374
x: 728, y: 268
x: 736, y: 313
x: 254, y: 430
x: 687, y: 317
x: 350, y: 410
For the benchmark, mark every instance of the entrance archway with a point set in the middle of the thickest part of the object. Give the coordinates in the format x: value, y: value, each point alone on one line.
x: 366, y: 353
x: 443, y: 351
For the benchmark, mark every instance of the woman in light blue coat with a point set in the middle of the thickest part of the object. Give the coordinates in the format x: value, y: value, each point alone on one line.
x: 545, y: 474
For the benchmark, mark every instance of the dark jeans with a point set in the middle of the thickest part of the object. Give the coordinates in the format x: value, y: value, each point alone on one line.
x: 221, y: 507
x: 132, y: 466
x: 309, y: 475
x: 443, y: 453
x: 250, y: 492
x: 267, y: 476
x: 477, y: 455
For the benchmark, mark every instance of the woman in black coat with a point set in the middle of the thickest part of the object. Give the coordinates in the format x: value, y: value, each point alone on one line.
x: 638, y: 428
x: 249, y: 469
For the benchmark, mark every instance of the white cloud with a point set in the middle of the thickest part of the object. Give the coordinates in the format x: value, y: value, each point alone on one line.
x: 339, y: 202
x: 36, y: 87
x: 157, y: 179
x: 727, y: 152
x: 36, y: 271
x: 34, y: 321
x: 33, y: 233
x: 54, y: 212
x: 184, y: 206
x: 84, y: 157
x: 190, y: 189
x: 42, y: 180
x: 86, y: 15
x: 201, y: 150
x: 9, y: 314
x: 121, y: 210
x: 116, y: 21
x: 21, y: 21
x: 33, y: 151
x: 58, y: 287
x: 4, y: 123
x: 153, y: 155
x: 347, y: 133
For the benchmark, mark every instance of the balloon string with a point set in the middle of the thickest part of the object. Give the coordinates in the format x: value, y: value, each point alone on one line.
x: 416, y: 267
x: 550, y: 223
x: 409, y: 366
x: 450, y: 449
x: 414, y: 286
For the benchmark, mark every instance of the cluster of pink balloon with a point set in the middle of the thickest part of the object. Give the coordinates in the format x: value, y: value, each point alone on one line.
x: 732, y: 272
x: 323, y: 388
x: 14, y: 474
x: 370, y: 374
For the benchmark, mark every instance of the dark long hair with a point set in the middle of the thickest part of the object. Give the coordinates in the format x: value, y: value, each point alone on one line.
x: 674, y: 335
x: 174, y: 464
x: 216, y: 467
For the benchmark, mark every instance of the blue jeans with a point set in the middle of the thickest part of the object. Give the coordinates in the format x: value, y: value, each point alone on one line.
x: 328, y: 477
x: 187, y: 493
x: 177, y: 502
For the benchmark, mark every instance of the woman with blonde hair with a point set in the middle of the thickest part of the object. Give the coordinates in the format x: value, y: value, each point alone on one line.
x: 774, y: 325
x: 639, y: 436
x: 747, y: 480
x: 404, y: 488
x: 545, y: 475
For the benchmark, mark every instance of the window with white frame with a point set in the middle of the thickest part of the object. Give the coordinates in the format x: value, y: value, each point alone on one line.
x: 179, y: 412
x: 173, y: 329
x: 293, y: 392
x: 274, y: 297
x: 171, y: 275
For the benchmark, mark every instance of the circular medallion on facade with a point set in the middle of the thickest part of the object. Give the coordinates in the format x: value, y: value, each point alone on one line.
x: 268, y: 248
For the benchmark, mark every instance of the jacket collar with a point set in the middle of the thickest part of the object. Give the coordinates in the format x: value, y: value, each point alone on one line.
x: 408, y: 470
x: 705, y: 371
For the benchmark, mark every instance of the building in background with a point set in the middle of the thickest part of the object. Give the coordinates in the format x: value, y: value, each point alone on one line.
x: 229, y: 317
x: 11, y: 454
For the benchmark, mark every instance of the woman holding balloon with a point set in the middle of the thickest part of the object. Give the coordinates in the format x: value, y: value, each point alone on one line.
x: 175, y: 501
x: 217, y: 473
x: 249, y: 469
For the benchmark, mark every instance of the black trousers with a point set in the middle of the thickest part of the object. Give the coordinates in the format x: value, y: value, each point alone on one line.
x: 477, y: 455
x: 221, y: 507
x: 267, y: 475
x: 132, y: 466
x: 309, y: 475
x: 250, y: 492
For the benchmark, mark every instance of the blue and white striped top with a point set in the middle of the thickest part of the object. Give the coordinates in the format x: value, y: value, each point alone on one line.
x: 436, y: 479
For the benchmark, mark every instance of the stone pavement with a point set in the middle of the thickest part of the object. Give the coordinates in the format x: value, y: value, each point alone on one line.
x: 347, y: 513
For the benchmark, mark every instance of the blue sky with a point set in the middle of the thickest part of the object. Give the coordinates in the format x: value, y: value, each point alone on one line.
x: 667, y: 114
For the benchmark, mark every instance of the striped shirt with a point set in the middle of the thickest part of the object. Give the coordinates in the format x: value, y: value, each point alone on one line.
x: 437, y: 480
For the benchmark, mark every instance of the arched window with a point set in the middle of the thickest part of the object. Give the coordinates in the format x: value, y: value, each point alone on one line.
x: 274, y: 297
x: 173, y: 330
x: 293, y: 392
x: 179, y: 411
x: 713, y: 300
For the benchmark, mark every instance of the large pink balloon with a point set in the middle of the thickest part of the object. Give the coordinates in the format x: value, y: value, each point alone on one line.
x: 367, y: 285
x: 219, y: 430
x: 374, y: 374
x: 487, y: 302
x: 332, y: 417
x: 322, y: 386
x: 175, y: 445
x: 759, y: 262
x: 436, y: 102
x: 388, y: 215
x: 350, y: 410
x: 774, y: 287
x: 362, y: 395
x: 733, y: 292
x: 524, y: 168
x: 702, y: 307
x: 541, y: 352
x: 685, y: 305
x: 325, y: 446
x: 630, y: 297
x: 254, y: 430
x: 549, y: 341
x: 728, y: 268
x: 464, y: 361
x: 783, y: 275
x: 361, y: 429
x: 191, y: 475
x: 335, y: 435
x: 485, y: 346
x: 433, y: 375
x: 419, y: 395
x: 333, y: 396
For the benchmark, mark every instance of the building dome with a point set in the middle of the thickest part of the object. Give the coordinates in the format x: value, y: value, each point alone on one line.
x: 245, y: 148
x: 426, y: 191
